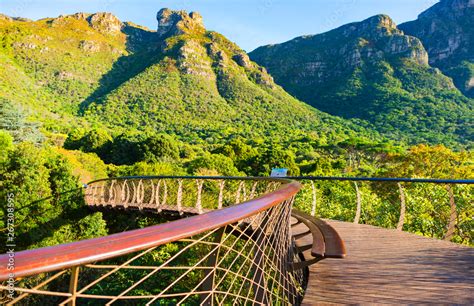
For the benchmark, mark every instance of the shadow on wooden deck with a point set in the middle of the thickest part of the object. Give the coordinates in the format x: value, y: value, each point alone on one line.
x: 385, y: 266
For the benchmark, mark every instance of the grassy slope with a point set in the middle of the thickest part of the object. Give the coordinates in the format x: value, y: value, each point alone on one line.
x: 45, y: 69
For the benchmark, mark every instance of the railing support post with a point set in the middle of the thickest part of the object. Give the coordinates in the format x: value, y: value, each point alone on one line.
x: 258, y: 264
x: 238, y: 192
x: 199, y: 184
x: 313, y: 207
x: 221, y: 194
x: 357, y: 215
x: 401, y: 219
x: 73, y: 285
x: 179, y: 196
x: 452, y: 214
x: 209, y: 275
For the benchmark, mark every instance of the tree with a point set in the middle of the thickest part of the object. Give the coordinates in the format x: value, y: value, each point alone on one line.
x: 96, y: 140
x: 126, y: 149
x: 431, y: 162
x: 6, y: 144
x: 158, y: 147
x: 49, y: 205
x: 240, y: 152
x: 13, y: 120
x: 222, y: 164
x: 274, y: 157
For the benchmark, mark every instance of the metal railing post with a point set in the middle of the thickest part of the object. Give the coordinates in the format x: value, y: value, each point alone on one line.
x: 73, y: 285
x: 313, y: 206
x: 357, y: 215
x: 401, y: 219
x: 452, y: 214
x: 209, y: 275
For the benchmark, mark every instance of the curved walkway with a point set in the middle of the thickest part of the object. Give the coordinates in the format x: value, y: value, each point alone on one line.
x: 385, y: 266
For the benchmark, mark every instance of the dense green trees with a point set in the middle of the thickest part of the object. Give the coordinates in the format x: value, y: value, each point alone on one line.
x: 274, y: 156
x: 213, y: 164
x: 37, y: 179
x: 434, y: 162
x: 158, y: 147
x: 6, y: 144
x: 96, y: 140
x: 126, y: 148
x: 32, y: 173
x: 13, y: 119
x: 200, y: 107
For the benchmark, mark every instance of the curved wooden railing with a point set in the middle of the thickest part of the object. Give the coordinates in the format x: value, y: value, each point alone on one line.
x: 225, y: 253
x: 235, y: 244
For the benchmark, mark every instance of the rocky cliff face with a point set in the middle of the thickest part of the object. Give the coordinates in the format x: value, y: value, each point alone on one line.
x: 203, y: 53
x: 178, y: 22
x: 179, y: 79
x: 318, y: 59
x: 369, y: 70
x: 103, y: 22
x: 197, y: 82
x: 447, y: 32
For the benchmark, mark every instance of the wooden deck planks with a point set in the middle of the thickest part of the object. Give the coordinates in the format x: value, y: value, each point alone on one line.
x: 385, y: 266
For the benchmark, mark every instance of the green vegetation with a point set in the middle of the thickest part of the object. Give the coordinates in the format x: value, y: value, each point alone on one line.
x: 68, y: 75
x: 370, y: 70
x: 37, y: 179
x: 428, y: 209
x: 450, y: 43
x: 80, y: 102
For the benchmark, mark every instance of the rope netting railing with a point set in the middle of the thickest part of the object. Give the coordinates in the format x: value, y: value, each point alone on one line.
x: 222, y: 254
x: 441, y: 209
x: 194, y: 195
x: 232, y: 242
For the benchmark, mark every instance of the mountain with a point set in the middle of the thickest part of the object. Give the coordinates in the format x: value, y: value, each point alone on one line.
x: 49, y: 66
x: 94, y: 70
x: 447, y: 32
x: 372, y: 71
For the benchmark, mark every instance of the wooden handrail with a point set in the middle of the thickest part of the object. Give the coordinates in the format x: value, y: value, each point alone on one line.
x: 78, y: 253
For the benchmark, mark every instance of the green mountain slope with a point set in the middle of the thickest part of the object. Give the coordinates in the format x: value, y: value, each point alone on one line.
x: 181, y: 79
x: 447, y: 32
x: 372, y: 71
x: 49, y: 66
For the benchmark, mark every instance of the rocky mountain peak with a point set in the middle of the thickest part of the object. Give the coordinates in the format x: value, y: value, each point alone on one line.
x: 5, y: 17
x: 375, y: 26
x: 375, y: 38
x: 105, y: 22
x: 380, y: 21
x: 102, y: 22
x: 178, y: 22
x: 447, y: 32
x: 448, y: 8
x: 353, y: 46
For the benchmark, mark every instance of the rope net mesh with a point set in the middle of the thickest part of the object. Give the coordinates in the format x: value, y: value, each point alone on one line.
x: 246, y: 262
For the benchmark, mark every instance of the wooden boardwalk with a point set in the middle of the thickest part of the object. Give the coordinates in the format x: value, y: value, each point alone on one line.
x: 385, y: 266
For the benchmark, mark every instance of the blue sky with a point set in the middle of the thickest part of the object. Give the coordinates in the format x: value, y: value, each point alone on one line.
x: 249, y: 23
